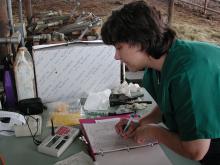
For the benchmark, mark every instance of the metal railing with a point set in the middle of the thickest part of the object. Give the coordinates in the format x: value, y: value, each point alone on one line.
x: 202, y: 4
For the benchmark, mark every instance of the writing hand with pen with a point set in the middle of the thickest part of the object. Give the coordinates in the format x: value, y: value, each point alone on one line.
x: 128, y: 128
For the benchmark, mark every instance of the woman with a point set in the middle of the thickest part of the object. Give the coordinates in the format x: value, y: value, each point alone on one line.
x: 182, y: 76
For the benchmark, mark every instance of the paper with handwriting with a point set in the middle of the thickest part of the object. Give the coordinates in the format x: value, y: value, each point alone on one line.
x: 75, y: 70
x: 103, y: 137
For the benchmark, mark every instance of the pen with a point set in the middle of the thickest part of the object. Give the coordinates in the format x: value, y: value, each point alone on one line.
x: 128, y: 123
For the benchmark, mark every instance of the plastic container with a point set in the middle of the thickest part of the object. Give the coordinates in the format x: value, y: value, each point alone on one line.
x: 8, y: 83
x: 65, y: 112
x: 24, y: 75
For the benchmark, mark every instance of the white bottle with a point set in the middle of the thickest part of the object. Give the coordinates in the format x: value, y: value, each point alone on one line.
x: 24, y: 75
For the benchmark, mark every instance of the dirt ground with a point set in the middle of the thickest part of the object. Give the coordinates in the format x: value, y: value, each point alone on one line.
x: 188, y: 23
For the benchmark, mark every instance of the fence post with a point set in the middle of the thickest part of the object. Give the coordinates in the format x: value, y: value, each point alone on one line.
x: 4, y: 29
x: 170, y: 11
x: 205, y: 6
x: 28, y: 10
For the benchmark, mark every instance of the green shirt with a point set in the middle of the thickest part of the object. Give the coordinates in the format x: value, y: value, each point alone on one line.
x: 187, y: 89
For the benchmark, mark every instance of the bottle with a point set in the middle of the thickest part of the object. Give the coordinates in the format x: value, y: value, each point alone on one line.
x: 9, y: 86
x: 24, y: 75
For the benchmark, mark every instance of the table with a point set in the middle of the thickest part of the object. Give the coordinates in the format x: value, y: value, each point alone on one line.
x: 22, y: 150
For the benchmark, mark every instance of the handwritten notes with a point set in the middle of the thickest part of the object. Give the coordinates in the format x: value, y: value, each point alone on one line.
x: 111, y: 149
x: 73, y: 71
x: 103, y: 137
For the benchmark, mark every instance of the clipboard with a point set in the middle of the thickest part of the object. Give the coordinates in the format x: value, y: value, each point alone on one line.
x: 106, y: 147
x: 93, y: 121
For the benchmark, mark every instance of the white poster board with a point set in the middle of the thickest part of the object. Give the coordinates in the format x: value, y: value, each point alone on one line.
x: 73, y: 70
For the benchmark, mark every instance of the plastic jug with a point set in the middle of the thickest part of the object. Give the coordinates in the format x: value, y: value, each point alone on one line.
x: 24, y: 75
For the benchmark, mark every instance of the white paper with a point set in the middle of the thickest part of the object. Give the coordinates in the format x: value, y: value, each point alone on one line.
x: 108, y: 120
x: 75, y: 70
x: 103, y: 137
x: 77, y: 159
x: 138, y: 156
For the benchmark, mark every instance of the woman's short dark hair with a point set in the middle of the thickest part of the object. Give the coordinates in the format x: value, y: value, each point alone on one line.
x: 139, y: 24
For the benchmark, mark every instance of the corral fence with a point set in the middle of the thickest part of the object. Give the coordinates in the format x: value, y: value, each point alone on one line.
x: 203, y: 6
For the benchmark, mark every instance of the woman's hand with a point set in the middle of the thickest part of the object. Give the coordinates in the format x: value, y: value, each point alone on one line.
x: 143, y: 133
x: 119, y: 127
x: 194, y: 149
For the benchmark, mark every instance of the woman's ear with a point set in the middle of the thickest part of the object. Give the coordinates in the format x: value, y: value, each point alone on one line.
x: 152, y: 62
x: 151, y: 58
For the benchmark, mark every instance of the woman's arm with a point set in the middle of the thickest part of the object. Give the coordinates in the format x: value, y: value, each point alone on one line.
x: 154, y: 116
x: 195, y: 149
